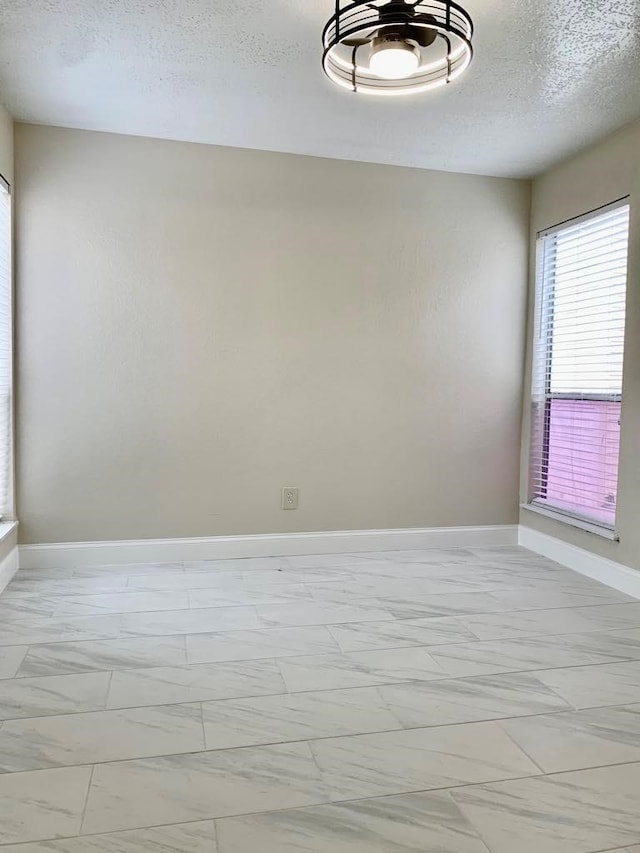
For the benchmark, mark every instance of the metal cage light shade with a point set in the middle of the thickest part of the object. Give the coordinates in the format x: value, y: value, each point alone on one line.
x: 441, y: 32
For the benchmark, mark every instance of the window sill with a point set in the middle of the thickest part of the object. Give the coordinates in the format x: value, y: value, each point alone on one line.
x: 6, y: 529
x: 581, y: 524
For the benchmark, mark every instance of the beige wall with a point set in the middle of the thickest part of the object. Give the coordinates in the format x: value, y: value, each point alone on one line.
x: 6, y: 145
x: 200, y: 326
x: 600, y: 175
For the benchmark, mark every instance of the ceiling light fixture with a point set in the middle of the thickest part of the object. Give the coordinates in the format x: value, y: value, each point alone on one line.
x: 395, y: 47
x: 393, y: 59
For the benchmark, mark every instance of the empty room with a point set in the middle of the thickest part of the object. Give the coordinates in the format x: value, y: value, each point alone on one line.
x: 319, y: 426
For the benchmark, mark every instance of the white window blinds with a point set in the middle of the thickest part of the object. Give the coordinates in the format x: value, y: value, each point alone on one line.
x: 577, y: 365
x: 6, y: 465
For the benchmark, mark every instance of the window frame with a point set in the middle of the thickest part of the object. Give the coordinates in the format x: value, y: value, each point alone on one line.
x: 8, y: 510
x: 544, y: 299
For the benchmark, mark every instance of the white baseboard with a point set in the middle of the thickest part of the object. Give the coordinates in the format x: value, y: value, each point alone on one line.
x: 8, y: 568
x: 593, y: 566
x: 70, y: 554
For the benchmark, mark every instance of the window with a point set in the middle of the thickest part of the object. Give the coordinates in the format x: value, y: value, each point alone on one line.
x: 577, y: 365
x: 6, y: 466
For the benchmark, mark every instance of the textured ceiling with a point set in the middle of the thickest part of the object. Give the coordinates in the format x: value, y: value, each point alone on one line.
x: 549, y: 76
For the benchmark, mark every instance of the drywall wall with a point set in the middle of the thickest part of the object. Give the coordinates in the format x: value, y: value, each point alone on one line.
x: 6, y: 145
x: 200, y: 326
x: 599, y: 175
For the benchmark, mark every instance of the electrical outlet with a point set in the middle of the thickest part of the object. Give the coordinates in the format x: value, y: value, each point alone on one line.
x: 290, y: 497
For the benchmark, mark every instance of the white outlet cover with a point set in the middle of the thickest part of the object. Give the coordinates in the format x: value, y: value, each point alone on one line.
x: 290, y: 497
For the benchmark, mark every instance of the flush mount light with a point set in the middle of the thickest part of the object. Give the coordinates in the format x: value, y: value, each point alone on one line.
x: 393, y: 58
x: 394, y: 47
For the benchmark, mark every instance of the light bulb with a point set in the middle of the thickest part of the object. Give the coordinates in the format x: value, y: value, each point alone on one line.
x: 394, y: 60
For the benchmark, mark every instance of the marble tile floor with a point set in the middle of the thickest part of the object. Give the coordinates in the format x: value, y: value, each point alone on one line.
x: 480, y: 700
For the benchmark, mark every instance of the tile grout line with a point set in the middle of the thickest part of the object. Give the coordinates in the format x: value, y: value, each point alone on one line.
x: 309, y: 741
x: 126, y: 583
x: 531, y: 673
x: 204, y: 731
x: 447, y: 790
x: 624, y: 849
x: 479, y: 832
x: 614, y: 632
x: 106, y: 697
x: 519, y: 746
x: 446, y: 675
x: 377, y: 685
x: 86, y: 800
x: 216, y: 838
